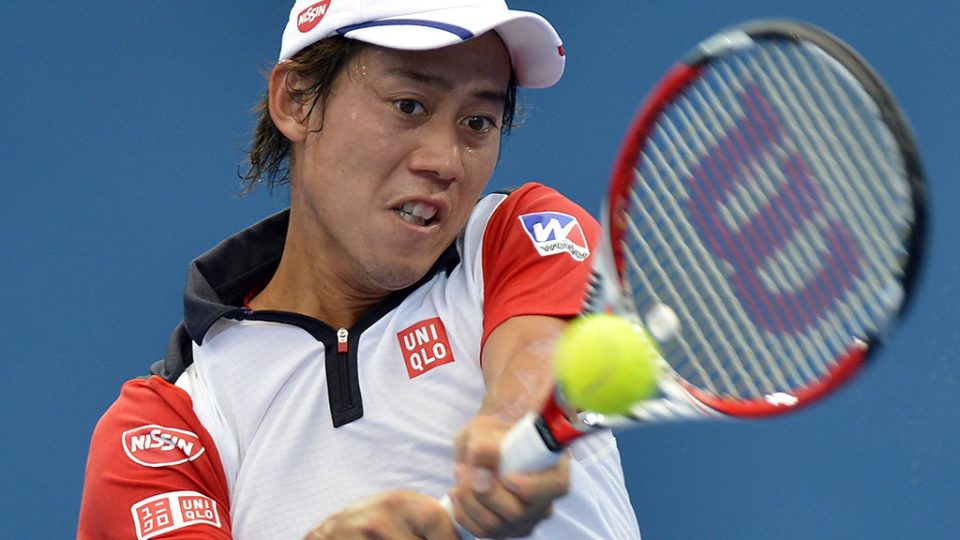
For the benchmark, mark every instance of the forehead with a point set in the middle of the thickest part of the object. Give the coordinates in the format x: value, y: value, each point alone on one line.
x: 480, y: 61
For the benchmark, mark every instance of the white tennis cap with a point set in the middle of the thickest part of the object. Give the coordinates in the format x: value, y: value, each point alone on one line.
x: 535, y: 48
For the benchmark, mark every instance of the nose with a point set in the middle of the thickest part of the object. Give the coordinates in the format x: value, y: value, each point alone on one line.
x: 438, y: 154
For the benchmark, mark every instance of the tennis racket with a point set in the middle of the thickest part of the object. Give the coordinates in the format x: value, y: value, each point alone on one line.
x: 765, y: 221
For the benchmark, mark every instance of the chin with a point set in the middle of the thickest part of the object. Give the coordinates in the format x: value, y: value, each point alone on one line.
x: 398, y: 276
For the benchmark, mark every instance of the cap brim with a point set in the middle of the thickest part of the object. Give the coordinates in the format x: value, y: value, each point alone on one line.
x: 536, y: 51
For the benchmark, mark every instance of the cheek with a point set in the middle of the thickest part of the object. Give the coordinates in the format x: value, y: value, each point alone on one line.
x: 480, y: 162
x: 348, y: 157
x: 369, y: 146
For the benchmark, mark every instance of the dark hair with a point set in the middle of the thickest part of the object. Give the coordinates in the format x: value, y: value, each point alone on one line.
x: 320, y: 63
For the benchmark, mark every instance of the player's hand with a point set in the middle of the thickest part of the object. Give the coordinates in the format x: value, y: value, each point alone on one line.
x: 493, y: 507
x: 393, y: 515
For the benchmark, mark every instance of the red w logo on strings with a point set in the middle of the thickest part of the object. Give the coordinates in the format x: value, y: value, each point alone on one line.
x: 756, y: 161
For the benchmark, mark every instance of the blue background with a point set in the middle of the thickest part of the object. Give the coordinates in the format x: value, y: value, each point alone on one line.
x: 122, y: 126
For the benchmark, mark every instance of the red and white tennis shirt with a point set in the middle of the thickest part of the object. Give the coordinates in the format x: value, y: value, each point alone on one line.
x: 259, y: 424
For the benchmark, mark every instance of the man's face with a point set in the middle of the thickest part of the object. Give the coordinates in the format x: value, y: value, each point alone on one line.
x: 393, y: 165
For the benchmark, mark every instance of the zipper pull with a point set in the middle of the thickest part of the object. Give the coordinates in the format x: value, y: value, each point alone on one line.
x: 342, y: 336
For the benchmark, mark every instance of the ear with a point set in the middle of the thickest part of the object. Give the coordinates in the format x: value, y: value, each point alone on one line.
x: 289, y: 112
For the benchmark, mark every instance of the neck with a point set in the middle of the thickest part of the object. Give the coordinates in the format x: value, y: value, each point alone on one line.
x: 306, y: 284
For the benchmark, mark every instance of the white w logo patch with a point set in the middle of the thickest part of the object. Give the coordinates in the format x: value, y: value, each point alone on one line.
x: 554, y: 232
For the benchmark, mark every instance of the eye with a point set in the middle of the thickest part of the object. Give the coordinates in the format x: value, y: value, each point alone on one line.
x: 409, y: 107
x: 480, y: 124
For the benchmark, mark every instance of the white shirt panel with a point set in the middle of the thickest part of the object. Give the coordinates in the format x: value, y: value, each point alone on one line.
x: 260, y: 388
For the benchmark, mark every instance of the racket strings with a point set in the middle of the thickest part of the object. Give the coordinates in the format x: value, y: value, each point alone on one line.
x: 768, y: 210
x: 877, y: 214
x: 664, y: 279
x: 747, y: 199
x: 713, y: 343
x: 800, y: 255
x: 878, y: 166
x: 765, y: 180
x: 666, y: 229
x: 831, y: 159
x: 749, y: 369
x: 870, y: 157
x: 832, y: 283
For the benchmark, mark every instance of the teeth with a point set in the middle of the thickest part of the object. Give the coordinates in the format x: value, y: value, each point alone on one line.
x: 417, y: 212
x: 408, y: 217
x: 419, y: 209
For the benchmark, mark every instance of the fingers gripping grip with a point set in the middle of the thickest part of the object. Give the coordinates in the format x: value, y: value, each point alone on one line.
x: 522, y: 450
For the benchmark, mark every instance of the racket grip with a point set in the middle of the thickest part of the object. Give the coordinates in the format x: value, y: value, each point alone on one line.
x: 522, y: 450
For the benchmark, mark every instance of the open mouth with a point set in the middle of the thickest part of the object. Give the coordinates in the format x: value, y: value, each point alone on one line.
x: 417, y: 213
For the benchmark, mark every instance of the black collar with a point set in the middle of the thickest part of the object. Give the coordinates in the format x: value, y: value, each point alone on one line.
x: 218, y: 280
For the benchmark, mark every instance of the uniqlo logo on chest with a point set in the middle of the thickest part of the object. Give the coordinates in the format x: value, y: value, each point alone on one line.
x: 425, y: 346
x: 168, y: 512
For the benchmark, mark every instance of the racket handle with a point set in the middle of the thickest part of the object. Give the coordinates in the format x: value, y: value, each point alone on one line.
x: 522, y: 450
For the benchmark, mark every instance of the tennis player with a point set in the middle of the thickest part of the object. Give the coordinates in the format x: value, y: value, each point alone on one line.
x: 344, y: 363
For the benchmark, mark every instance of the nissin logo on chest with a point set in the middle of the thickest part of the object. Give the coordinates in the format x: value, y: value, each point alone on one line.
x: 554, y: 232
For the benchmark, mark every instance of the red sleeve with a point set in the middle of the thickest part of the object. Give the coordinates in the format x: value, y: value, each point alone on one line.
x: 537, y: 254
x: 153, y: 470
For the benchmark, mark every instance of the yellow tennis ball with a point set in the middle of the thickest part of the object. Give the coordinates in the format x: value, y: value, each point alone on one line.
x: 604, y: 363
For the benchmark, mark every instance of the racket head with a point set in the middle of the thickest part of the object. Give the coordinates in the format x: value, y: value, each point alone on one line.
x: 770, y: 193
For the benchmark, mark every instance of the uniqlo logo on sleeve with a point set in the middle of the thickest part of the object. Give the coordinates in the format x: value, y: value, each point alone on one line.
x: 168, y: 512
x: 425, y: 346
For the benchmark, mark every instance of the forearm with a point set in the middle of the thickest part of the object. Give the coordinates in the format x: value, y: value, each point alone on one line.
x: 517, y: 366
x: 519, y: 375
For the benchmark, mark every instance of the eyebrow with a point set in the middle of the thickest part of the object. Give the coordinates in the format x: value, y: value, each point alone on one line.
x: 442, y: 83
